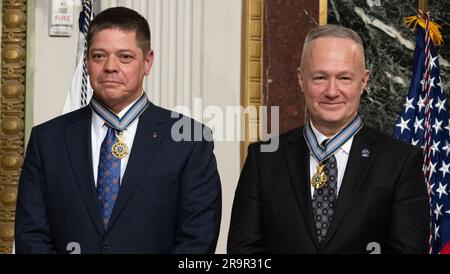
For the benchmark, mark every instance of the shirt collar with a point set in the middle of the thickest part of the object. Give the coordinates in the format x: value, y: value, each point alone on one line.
x: 99, y: 123
x: 320, y: 138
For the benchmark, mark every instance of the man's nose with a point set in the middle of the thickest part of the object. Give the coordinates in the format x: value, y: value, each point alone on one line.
x: 111, y: 64
x: 332, y: 89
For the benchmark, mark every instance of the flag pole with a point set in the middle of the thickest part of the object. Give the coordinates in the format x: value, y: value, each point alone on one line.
x: 423, y: 6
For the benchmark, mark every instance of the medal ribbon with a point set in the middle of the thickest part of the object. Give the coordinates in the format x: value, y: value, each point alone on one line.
x: 323, y: 153
x: 113, y: 120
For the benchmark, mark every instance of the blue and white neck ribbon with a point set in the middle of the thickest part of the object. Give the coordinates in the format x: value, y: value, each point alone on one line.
x: 322, y: 153
x: 113, y: 120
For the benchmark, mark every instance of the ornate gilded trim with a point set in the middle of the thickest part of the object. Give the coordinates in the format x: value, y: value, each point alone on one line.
x: 12, y: 130
x: 252, y: 86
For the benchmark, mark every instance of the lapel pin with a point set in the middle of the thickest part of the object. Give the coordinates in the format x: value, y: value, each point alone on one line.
x: 155, y: 135
x: 365, y: 153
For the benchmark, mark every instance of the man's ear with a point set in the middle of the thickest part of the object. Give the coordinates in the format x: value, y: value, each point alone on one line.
x: 148, y: 61
x: 300, y: 78
x: 365, y: 80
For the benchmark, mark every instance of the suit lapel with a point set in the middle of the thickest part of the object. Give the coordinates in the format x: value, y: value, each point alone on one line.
x: 297, y: 159
x: 150, y: 131
x: 356, y: 169
x: 78, y: 142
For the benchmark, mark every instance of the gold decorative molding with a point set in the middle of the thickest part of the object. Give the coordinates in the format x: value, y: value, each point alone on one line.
x: 323, y: 12
x: 12, y: 130
x: 252, y: 86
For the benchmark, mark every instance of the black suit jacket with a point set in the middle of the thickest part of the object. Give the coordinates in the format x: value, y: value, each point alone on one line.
x: 169, y: 200
x: 382, y: 200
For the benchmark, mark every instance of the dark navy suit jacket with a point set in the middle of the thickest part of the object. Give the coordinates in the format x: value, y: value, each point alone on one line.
x: 169, y: 200
x: 382, y: 205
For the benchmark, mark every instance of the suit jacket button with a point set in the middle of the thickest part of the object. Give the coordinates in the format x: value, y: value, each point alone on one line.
x: 106, y: 245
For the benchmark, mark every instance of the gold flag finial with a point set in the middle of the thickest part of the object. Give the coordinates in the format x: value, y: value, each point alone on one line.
x: 435, y: 29
x: 423, y: 6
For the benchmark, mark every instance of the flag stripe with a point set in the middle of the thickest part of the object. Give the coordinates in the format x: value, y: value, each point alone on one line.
x: 424, y: 122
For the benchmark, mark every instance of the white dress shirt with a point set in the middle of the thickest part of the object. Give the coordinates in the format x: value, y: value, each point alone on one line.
x: 99, y: 130
x: 341, y: 158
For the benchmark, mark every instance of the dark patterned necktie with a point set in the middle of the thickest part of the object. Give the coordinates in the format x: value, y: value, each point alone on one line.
x: 324, y: 200
x: 108, y: 180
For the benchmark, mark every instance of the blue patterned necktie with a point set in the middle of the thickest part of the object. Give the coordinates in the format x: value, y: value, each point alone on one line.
x: 108, y: 179
x: 324, y: 200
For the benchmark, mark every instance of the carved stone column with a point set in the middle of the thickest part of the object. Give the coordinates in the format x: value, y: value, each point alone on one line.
x: 12, y: 114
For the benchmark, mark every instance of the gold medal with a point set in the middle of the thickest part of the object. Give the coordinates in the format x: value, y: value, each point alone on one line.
x: 120, y: 149
x: 320, y: 178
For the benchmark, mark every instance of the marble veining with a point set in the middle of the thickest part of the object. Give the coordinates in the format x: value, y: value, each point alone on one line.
x: 389, y: 46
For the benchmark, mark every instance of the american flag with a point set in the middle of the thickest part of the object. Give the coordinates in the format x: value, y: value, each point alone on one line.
x: 80, y: 90
x: 424, y: 122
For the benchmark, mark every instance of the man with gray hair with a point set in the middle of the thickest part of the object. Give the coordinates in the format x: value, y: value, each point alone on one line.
x: 334, y: 185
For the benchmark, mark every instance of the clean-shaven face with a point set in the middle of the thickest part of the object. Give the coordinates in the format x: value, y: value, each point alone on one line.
x: 333, y: 78
x: 117, y: 67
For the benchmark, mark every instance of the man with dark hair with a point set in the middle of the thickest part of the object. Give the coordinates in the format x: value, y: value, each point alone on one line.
x: 124, y: 19
x: 110, y: 177
x: 334, y: 185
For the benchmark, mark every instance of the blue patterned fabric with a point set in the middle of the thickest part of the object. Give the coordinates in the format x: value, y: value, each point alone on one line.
x: 108, y: 180
x: 324, y: 200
